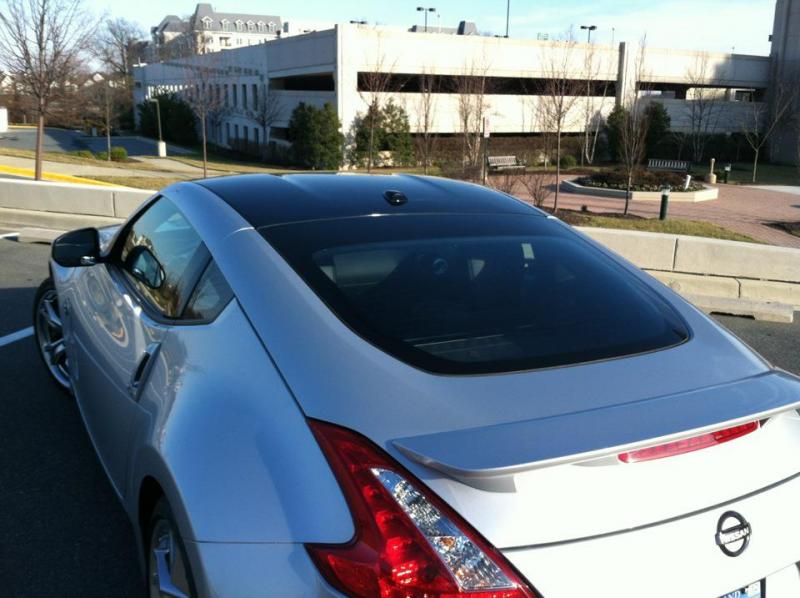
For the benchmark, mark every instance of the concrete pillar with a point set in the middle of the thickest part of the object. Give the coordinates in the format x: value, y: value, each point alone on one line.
x: 162, y: 149
x: 3, y: 120
x: 785, y: 57
x: 626, y: 75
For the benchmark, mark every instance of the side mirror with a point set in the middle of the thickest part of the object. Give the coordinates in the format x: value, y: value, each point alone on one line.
x: 144, y: 267
x: 77, y: 248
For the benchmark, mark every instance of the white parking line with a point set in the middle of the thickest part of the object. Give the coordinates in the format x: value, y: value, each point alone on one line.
x: 9, y: 236
x: 16, y: 336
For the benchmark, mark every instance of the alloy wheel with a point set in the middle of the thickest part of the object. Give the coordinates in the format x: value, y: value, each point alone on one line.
x: 167, y: 568
x: 50, y: 336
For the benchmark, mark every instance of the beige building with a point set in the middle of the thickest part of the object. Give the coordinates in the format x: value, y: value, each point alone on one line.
x: 210, y: 31
x: 334, y: 65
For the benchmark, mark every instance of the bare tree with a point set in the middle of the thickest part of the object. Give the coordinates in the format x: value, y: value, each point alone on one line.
x: 101, y: 105
x: 702, y: 107
x: 505, y: 182
x: 373, y: 84
x: 593, y: 119
x: 119, y: 45
x: 471, y: 88
x: 426, y: 113
x: 218, y: 109
x: 632, y: 127
x: 797, y: 135
x: 41, y: 44
x: 764, y: 118
x: 560, y: 94
x: 267, y: 110
x: 539, y: 186
x: 203, y: 95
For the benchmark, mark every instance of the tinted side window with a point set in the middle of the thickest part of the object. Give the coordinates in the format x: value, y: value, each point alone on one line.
x: 163, y: 256
x: 210, y: 296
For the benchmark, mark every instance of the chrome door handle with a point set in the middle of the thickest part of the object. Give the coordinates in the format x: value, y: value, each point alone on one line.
x: 142, y: 370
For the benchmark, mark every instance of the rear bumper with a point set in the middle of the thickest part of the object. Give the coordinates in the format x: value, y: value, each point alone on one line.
x: 677, y: 558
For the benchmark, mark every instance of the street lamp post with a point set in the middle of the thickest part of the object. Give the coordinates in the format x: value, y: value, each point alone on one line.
x: 508, y: 13
x: 425, y: 10
x: 162, y: 147
x: 585, y: 152
x: 589, y: 29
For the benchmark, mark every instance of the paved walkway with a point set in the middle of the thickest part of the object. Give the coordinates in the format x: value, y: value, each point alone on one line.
x: 782, y: 188
x: 175, y: 166
x: 151, y: 167
x: 81, y: 170
x: 746, y: 210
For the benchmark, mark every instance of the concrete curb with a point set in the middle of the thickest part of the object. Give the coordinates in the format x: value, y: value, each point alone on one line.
x: 38, y: 235
x: 55, y: 177
x: 706, y: 194
x: 728, y: 269
x: 759, y: 310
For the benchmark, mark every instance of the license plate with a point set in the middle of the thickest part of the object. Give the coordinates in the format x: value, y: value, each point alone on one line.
x: 754, y: 590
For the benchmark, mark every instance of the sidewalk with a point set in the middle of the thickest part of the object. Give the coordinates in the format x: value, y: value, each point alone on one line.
x: 745, y: 210
x: 81, y: 170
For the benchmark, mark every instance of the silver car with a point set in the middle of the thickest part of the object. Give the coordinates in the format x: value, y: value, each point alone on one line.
x: 326, y: 385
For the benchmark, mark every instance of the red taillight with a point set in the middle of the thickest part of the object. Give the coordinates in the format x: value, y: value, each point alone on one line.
x: 408, y: 542
x: 687, y: 445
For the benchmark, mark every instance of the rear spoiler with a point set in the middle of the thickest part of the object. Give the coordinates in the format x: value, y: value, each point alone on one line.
x: 487, y: 458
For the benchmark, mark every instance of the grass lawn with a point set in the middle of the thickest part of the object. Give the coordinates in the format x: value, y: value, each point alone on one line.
x: 676, y: 227
x: 65, y: 158
x: 768, y: 174
x: 151, y: 183
x: 224, y: 164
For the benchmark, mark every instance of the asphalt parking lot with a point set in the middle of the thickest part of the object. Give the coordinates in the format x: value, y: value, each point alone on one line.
x: 64, y: 140
x: 62, y: 530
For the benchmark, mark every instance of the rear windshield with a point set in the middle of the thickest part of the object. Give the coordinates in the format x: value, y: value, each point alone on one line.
x: 472, y: 294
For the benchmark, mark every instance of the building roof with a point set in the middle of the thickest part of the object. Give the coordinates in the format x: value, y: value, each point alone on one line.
x: 205, y: 11
x: 171, y: 23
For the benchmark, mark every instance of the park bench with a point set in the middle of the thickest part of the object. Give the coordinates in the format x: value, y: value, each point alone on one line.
x: 500, y: 163
x: 668, y: 165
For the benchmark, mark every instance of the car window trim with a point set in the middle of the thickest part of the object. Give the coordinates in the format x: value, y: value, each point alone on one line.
x: 198, y: 321
x: 116, y: 270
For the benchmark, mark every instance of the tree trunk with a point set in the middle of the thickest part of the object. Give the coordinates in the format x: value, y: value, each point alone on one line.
x: 39, y: 144
x: 425, y: 151
x: 205, y: 152
x: 108, y: 127
x: 371, y: 139
x: 755, y: 163
x: 628, y: 192
x: 558, y: 168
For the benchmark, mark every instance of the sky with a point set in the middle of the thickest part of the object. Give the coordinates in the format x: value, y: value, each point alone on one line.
x: 742, y: 26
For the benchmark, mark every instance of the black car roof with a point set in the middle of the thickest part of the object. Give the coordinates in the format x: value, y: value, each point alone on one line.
x: 266, y: 200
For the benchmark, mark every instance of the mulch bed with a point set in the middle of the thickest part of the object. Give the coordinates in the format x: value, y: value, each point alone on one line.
x: 793, y: 228
x: 577, y: 217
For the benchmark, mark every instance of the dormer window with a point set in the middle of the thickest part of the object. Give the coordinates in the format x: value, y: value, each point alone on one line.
x: 271, y: 27
x: 226, y: 25
x: 207, y: 22
x: 262, y: 26
x: 251, y: 26
x: 239, y: 25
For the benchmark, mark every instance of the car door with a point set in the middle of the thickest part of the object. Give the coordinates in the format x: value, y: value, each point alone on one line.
x: 126, y: 306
